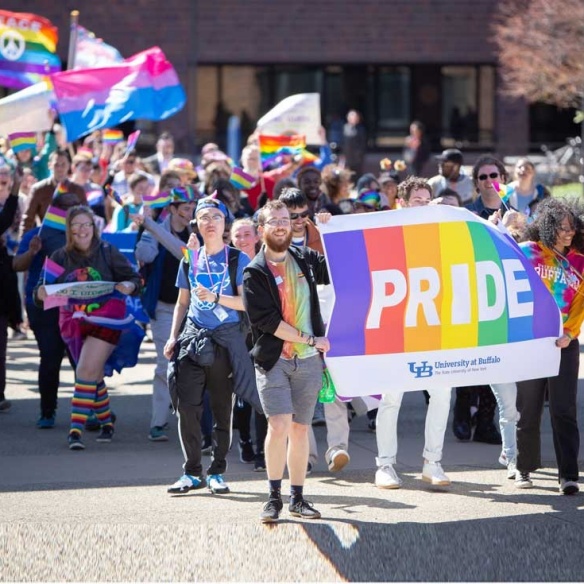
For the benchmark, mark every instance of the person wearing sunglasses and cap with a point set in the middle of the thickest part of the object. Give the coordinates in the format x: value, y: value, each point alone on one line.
x: 159, y: 251
x: 207, y: 347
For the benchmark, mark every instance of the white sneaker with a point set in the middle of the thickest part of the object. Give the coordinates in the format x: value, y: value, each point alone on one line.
x: 338, y: 459
x: 386, y: 478
x: 511, y: 471
x: 523, y: 480
x: 432, y: 473
x: 569, y: 487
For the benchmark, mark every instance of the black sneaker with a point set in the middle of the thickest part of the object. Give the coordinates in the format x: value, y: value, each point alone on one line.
x: 74, y: 440
x: 246, y: 453
x: 271, y: 510
x: 259, y: 464
x: 304, y: 509
x: 106, y: 434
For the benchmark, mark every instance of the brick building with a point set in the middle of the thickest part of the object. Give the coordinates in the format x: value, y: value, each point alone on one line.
x: 393, y: 60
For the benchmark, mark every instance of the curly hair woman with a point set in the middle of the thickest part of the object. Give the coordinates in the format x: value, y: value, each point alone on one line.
x: 552, y: 252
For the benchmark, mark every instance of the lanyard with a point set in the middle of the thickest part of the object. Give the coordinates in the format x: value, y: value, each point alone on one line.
x: 210, y: 273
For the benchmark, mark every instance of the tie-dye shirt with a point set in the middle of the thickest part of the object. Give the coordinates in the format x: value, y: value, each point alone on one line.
x: 563, y: 278
x: 295, y: 298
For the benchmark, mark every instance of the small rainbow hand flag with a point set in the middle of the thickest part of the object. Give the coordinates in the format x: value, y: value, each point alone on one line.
x: 51, y: 271
x: 60, y: 190
x: 20, y: 141
x: 112, y: 136
x: 132, y: 141
x: 241, y: 179
x: 55, y: 218
x: 157, y: 200
x: 503, y: 192
x: 184, y: 194
x: 110, y: 192
x: 308, y: 157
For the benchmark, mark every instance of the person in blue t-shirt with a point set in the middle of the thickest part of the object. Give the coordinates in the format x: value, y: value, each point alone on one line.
x: 210, y: 354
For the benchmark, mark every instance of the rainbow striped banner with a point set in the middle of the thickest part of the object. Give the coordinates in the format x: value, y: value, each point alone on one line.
x: 22, y: 141
x: 433, y: 297
x: 272, y: 148
x: 28, y: 49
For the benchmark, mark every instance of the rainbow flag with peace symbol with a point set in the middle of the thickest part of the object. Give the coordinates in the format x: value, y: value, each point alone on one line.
x: 433, y: 297
x: 28, y: 47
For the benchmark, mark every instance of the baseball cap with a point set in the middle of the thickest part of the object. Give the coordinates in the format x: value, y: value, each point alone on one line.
x: 451, y: 155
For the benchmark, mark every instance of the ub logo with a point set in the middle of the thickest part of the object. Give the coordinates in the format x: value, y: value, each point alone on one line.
x: 215, y: 281
x: 423, y: 370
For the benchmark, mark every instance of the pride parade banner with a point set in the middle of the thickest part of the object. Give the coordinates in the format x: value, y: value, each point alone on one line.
x: 433, y: 297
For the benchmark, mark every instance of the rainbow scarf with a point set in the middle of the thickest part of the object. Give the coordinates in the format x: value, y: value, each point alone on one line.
x: 31, y: 53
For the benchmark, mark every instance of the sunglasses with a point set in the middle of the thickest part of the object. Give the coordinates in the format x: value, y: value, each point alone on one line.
x: 303, y: 215
x: 486, y: 176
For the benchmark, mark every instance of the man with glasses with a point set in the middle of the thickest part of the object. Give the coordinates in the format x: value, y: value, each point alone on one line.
x: 304, y: 231
x: 208, y: 351
x: 486, y: 171
x: 281, y: 300
x: 451, y: 175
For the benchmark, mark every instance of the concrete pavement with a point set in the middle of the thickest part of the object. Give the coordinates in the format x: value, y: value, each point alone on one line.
x: 104, y: 514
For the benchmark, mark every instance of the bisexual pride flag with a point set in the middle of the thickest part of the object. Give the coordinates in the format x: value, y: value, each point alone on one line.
x: 144, y: 86
x: 51, y: 271
x: 433, y: 297
x: 28, y: 46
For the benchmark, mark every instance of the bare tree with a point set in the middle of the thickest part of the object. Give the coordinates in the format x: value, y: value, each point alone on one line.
x: 541, y: 50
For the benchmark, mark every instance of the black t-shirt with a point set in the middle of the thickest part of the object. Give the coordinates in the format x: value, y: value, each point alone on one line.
x: 168, y: 291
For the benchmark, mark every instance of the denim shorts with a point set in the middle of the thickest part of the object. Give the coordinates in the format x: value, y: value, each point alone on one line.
x: 291, y: 387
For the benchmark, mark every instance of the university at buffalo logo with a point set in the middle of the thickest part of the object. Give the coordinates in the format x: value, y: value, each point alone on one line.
x: 423, y: 370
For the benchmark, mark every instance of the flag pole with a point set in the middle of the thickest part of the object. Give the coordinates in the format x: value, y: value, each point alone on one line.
x: 73, y: 33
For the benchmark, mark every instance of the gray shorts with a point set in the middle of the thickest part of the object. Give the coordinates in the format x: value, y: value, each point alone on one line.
x: 291, y: 387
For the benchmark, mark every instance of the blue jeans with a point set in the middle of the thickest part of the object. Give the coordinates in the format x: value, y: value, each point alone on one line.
x: 506, y: 396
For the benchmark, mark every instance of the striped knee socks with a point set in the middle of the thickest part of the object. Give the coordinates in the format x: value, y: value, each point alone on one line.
x: 81, y: 404
x: 101, y: 406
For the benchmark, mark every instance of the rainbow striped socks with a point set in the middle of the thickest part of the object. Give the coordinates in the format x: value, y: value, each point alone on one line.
x: 102, y: 406
x: 82, y: 404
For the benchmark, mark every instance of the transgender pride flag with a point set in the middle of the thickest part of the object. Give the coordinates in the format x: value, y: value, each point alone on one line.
x: 144, y: 86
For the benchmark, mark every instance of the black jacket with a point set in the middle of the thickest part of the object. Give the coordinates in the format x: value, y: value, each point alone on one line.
x: 264, y: 309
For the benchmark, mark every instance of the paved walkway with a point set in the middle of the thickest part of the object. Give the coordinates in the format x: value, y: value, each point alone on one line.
x: 104, y: 514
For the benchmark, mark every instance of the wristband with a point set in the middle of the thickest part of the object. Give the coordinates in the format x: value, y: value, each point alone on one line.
x: 311, y: 341
x: 217, y: 295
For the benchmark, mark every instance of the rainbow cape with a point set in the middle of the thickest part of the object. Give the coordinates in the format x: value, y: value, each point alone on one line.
x: 272, y: 148
x: 29, y: 46
x: 22, y: 141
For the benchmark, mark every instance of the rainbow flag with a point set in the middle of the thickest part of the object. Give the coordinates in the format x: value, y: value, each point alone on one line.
x: 110, y: 192
x: 157, y: 200
x: 132, y: 141
x: 186, y: 194
x: 144, y: 86
x: 503, y: 192
x: 241, y: 179
x: 55, y: 218
x: 29, y: 46
x: 272, y: 148
x: 369, y: 198
x: 112, y: 136
x: 51, y: 271
x: 308, y: 158
x: 60, y: 190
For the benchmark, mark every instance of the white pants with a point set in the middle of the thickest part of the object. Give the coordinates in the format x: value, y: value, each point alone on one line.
x: 436, y: 422
x: 337, y: 430
x: 160, y: 332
